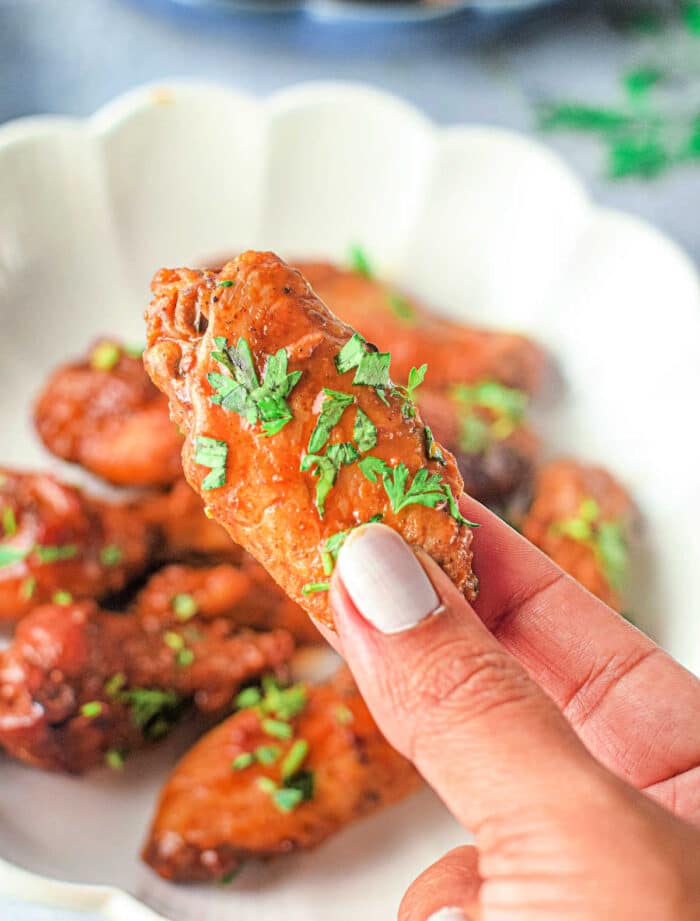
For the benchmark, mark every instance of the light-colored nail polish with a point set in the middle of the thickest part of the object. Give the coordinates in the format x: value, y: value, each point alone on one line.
x: 385, y: 580
x: 451, y: 913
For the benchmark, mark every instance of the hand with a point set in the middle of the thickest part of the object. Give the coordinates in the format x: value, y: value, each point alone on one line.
x: 565, y: 740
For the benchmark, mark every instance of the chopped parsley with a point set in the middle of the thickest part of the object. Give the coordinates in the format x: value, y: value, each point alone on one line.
x: 426, y: 488
x: 277, y: 728
x: 242, y: 392
x: 294, y: 758
x: 184, y: 606
x: 56, y: 554
x: 210, y: 452
x: 242, y: 761
x: 402, y: 308
x: 228, y: 283
x: 62, y: 597
x: 433, y: 451
x: 332, y: 546
x: 332, y: 409
x: 28, y: 588
x: 605, y: 538
x: 372, y: 366
x: 111, y: 555
x: 311, y: 588
x: 91, y: 709
x: 153, y: 711
x: 364, y: 432
x: 326, y: 467
x: 416, y: 376
x: 105, y: 356
x: 9, y: 521
x: 114, y: 759
x: 184, y: 657
x: 115, y: 684
x: 359, y: 263
x: 506, y: 405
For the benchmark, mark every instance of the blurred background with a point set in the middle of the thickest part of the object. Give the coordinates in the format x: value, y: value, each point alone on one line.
x: 614, y: 85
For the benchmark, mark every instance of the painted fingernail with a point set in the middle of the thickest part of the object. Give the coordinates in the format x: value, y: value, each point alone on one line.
x: 385, y: 580
x: 451, y: 913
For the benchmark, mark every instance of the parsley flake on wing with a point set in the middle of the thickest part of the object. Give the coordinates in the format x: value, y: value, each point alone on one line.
x: 332, y: 409
x: 371, y: 365
x: 326, y: 467
x: 210, y: 452
x: 243, y: 393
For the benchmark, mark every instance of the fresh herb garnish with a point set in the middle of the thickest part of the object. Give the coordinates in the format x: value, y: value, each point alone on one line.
x: 267, y: 754
x: 243, y: 393
x: 225, y: 284
x: 416, y: 376
x: 332, y: 409
x: 311, y: 588
x: 344, y: 715
x: 105, y: 356
x: 326, y: 467
x: 184, y: 606
x: 605, y: 538
x: 426, y: 488
x: 372, y: 366
x: 364, y: 432
x: 9, y: 521
x: 433, y: 451
x: 402, y: 308
x: 506, y: 405
x: 56, y: 554
x: 153, y: 711
x: 115, y: 684
x: 28, y: 588
x: 10, y: 555
x: 111, y: 555
x: 62, y: 597
x: 277, y: 728
x: 114, y: 759
x: 184, y: 657
x: 248, y: 697
x: 173, y: 640
x: 332, y: 546
x: 242, y: 761
x: 294, y: 758
x: 91, y: 709
x: 210, y: 452
x: 359, y: 262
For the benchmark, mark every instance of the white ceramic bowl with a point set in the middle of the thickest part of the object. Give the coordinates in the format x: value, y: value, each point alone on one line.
x: 481, y: 223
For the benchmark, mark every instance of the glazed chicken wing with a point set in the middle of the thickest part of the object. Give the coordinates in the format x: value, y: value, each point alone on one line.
x: 105, y: 414
x: 455, y: 353
x: 582, y: 518
x: 294, y: 432
x: 55, y: 538
x: 244, y: 594
x: 79, y: 685
x: 244, y: 791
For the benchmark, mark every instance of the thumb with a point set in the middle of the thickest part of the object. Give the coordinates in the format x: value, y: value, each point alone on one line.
x: 446, y: 694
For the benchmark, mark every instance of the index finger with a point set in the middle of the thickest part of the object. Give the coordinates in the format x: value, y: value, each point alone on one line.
x: 635, y: 708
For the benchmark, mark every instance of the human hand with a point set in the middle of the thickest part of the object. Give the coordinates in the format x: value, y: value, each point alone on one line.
x: 538, y: 733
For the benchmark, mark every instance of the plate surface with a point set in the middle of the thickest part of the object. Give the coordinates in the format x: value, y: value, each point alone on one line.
x: 481, y: 223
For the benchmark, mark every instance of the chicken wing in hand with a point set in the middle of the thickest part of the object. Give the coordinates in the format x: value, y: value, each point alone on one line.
x: 287, y: 771
x: 294, y: 431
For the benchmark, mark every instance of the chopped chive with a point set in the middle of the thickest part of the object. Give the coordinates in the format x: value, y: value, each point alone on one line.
x: 267, y: 754
x: 266, y: 784
x: 589, y: 510
x: 242, y: 761
x: 312, y: 587
x: 184, y: 606
x: 294, y: 758
x: 287, y: 798
x: 91, y: 708
x: 248, y: 697
x: 10, y: 555
x: 56, y: 554
x: 114, y: 759
x: 111, y: 555
x: 62, y: 597
x: 105, y: 356
x: 277, y: 729
x: 226, y: 284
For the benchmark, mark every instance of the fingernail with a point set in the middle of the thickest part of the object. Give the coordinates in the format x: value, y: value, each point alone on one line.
x: 448, y: 914
x: 385, y: 580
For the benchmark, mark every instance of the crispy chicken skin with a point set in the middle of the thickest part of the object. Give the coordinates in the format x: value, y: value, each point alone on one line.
x: 495, y: 465
x: 104, y: 413
x: 74, y: 682
x: 210, y: 817
x: 54, y: 537
x: 455, y: 353
x: 267, y: 503
x: 244, y: 594
x: 582, y: 518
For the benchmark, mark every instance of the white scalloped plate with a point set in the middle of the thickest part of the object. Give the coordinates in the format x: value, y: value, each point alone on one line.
x: 481, y: 223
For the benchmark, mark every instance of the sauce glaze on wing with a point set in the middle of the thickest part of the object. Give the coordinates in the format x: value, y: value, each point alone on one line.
x: 268, y: 504
x: 211, y: 817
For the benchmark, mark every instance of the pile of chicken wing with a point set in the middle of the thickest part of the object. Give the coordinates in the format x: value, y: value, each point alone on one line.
x: 134, y: 614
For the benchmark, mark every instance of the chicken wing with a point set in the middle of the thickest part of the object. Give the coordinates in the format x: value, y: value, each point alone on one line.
x: 455, y: 353
x: 244, y: 594
x: 79, y: 685
x: 278, y: 776
x: 55, y: 538
x: 583, y: 518
x: 103, y: 412
x: 483, y: 426
x: 294, y: 432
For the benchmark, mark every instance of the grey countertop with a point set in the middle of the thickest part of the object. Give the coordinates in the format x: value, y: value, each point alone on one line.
x: 71, y: 56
